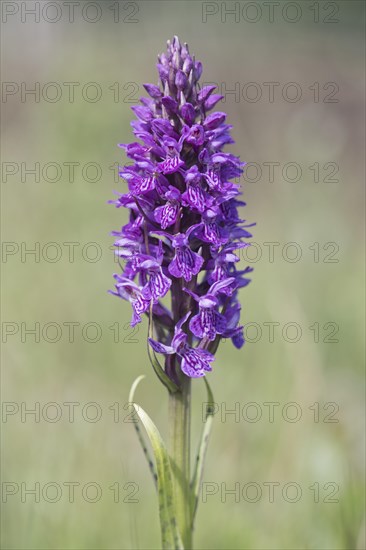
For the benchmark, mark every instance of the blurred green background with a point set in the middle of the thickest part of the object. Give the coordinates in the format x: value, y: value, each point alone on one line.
x: 322, y: 453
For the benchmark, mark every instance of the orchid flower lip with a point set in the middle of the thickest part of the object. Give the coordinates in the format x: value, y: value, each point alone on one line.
x: 184, y: 224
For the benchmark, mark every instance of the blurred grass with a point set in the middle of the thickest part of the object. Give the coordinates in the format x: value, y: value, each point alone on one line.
x: 305, y: 292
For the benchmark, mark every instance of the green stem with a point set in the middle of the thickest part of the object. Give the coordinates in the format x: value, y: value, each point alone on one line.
x: 180, y: 427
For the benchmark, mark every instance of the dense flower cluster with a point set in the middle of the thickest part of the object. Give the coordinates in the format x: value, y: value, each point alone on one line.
x: 184, y: 225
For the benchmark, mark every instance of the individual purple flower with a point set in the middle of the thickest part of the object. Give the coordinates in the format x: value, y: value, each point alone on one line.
x: 194, y: 135
x: 195, y: 196
x: 195, y: 362
x: 232, y: 330
x: 185, y: 263
x: 167, y: 214
x: 209, y: 322
x: 184, y: 224
x: 158, y: 284
x: 130, y: 291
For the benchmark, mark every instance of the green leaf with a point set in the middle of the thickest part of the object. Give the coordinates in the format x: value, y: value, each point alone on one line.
x: 140, y: 436
x: 159, y: 371
x: 169, y: 530
x: 202, y: 450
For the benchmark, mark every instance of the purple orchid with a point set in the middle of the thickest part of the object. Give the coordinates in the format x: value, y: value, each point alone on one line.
x: 195, y: 361
x: 209, y: 322
x: 128, y: 290
x: 184, y: 225
x: 167, y: 214
x: 185, y: 263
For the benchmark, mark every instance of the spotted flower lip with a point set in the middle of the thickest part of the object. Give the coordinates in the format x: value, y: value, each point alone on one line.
x: 184, y: 225
x: 195, y: 361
